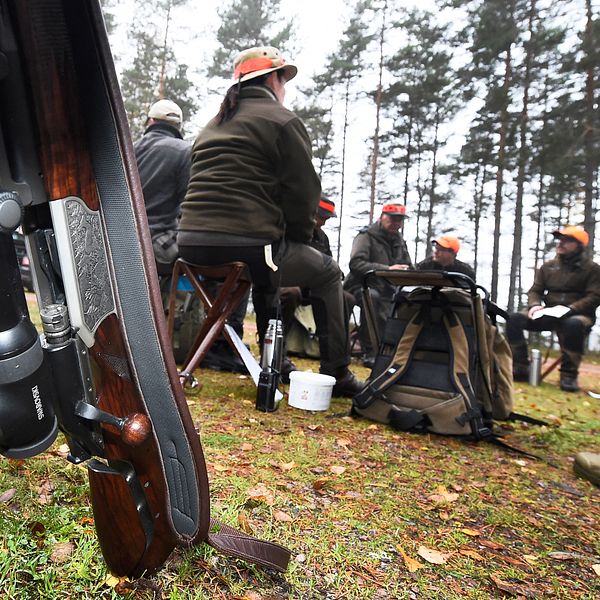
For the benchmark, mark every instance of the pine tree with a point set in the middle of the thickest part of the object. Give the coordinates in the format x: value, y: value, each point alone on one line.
x: 246, y: 24
x: 155, y: 72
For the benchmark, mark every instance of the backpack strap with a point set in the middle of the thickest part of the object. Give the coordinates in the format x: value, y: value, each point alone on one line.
x: 234, y: 543
x: 459, y: 372
x: 398, y: 364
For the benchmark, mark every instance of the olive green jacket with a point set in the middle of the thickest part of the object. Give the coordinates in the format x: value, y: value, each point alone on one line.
x: 374, y: 249
x: 253, y: 175
x: 573, y: 281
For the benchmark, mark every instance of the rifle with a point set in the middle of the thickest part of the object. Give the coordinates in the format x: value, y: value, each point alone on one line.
x: 103, y: 370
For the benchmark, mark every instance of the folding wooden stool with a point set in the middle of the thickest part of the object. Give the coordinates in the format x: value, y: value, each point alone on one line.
x: 235, y: 283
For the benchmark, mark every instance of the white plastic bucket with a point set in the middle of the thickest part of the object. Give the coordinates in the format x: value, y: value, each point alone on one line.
x: 310, y: 391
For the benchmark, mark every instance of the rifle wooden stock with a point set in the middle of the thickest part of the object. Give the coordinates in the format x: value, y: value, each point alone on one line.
x: 65, y: 59
x: 149, y: 487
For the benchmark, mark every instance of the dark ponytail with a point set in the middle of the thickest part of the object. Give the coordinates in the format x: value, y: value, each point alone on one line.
x: 231, y: 101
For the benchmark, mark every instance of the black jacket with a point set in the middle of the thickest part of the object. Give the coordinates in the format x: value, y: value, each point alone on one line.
x: 163, y: 159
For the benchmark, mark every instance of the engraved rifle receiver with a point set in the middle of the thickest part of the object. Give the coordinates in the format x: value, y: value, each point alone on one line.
x: 103, y: 368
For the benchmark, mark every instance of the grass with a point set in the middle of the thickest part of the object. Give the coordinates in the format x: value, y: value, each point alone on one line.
x: 358, y: 504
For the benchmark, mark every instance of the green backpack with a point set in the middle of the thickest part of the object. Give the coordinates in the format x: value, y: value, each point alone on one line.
x: 443, y: 366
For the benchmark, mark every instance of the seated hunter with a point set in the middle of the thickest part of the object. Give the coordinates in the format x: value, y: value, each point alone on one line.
x: 293, y: 297
x: 570, y: 285
x: 445, y: 248
x: 252, y: 197
x: 380, y: 246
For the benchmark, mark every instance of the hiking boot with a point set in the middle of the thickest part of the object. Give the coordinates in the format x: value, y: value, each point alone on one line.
x: 520, y: 372
x: 223, y: 358
x: 347, y: 385
x: 287, y: 366
x: 587, y: 465
x: 568, y: 383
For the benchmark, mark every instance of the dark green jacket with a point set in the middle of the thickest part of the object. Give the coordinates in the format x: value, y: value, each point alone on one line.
x: 253, y: 175
x: 373, y: 248
x: 573, y: 281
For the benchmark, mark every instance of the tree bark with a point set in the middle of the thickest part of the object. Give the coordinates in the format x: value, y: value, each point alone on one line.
x: 514, y: 292
x: 500, y: 171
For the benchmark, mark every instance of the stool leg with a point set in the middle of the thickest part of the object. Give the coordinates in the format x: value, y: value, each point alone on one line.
x: 218, y: 311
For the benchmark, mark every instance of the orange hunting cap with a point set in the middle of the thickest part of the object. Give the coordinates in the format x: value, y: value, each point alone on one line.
x: 449, y: 242
x: 394, y: 210
x: 255, y: 62
x: 326, y: 208
x: 573, y: 231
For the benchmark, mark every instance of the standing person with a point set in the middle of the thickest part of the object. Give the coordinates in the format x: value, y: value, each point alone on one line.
x: 445, y: 249
x: 164, y: 160
x: 380, y: 246
x: 252, y: 197
x: 570, y: 280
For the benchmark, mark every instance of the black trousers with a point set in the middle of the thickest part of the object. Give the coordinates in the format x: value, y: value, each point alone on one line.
x: 571, y: 331
x: 298, y: 265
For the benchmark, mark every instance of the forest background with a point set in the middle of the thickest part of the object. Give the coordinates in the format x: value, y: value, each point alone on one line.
x: 480, y: 115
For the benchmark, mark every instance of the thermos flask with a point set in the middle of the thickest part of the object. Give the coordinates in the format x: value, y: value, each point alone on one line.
x: 271, y: 365
x: 535, y: 367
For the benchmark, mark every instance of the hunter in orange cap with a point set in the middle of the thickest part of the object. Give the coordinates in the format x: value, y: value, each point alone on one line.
x: 379, y: 246
x: 574, y: 232
x: 569, y: 284
x: 443, y: 258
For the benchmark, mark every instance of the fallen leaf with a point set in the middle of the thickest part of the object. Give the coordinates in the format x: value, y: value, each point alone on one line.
x: 596, y: 569
x: 300, y: 558
x: 343, y: 442
x: 260, y: 493
x: 564, y: 555
x: 490, y: 544
x: 247, y: 447
x: 112, y: 581
x: 472, y: 554
x: 411, y: 564
x: 443, y: 495
x: 244, y: 523
x: 314, y: 427
x: 432, y: 556
x: 373, y: 426
x: 64, y: 449
x: 8, y: 495
x: 61, y: 552
x: 515, y: 589
x: 287, y: 466
x: 279, y: 515
x: 319, y: 484
x: 221, y: 468
x: 45, y: 492
x: 471, y: 532
x: 530, y: 558
x: 337, y: 469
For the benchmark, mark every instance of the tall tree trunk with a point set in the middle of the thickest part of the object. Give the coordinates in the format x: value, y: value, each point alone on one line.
x: 375, y: 157
x: 163, y: 64
x: 589, y: 219
x: 515, y: 265
x: 433, y: 181
x: 540, y: 194
x: 477, y: 209
x: 420, y: 200
x: 500, y: 170
x: 408, y: 152
x: 345, y: 132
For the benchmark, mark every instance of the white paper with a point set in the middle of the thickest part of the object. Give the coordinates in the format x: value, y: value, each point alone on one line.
x: 557, y: 312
